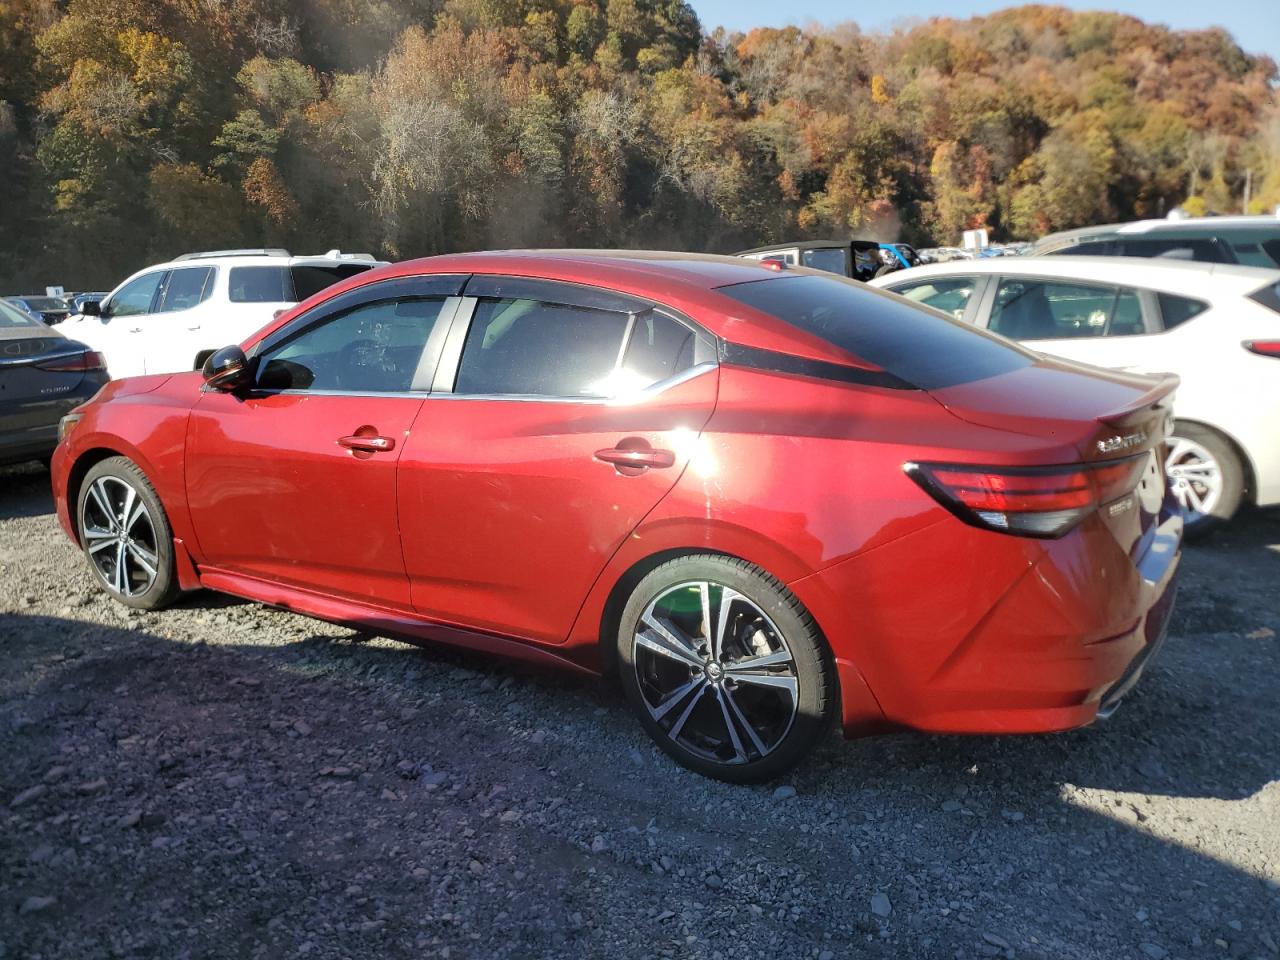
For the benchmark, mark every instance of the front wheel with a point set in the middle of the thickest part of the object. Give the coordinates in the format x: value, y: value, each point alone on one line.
x: 725, y: 668
x: 1205, y: 475
x: 125, y: 535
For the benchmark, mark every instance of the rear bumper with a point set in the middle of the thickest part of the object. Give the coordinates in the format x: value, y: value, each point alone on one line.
x: 33, y: 443
x: 955, y: 630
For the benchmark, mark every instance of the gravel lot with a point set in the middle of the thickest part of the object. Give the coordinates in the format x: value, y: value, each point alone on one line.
x: 226, y: 780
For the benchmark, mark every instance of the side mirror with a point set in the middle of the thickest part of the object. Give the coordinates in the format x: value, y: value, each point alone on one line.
x: 91, y: 308
x: 227, y: 370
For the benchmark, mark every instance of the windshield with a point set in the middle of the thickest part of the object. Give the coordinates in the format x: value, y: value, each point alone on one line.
x: 915, y: 344
x: 13, y: 317
x: 45, y: 303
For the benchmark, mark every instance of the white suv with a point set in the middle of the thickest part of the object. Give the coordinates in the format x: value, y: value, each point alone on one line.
x: 169, y: 317
x: 1216, y: 326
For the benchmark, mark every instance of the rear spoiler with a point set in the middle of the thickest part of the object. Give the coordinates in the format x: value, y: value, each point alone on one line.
x: 1159, y: 395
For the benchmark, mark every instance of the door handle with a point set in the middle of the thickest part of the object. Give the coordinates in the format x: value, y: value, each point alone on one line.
x: 367, y: 444
x: 641, y: 458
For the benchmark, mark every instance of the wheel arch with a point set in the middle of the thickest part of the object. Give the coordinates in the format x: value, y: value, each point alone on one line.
x: 80, y: 468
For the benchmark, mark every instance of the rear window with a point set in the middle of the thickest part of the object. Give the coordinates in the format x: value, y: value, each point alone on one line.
x: 13, y: 317
x: 920, y: 346
x: 286, y: 284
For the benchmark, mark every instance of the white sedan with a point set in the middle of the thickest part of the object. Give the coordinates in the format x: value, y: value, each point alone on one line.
x: 1216, y: 326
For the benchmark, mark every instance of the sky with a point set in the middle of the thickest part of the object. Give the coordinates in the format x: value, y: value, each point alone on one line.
x: 1254, y: 23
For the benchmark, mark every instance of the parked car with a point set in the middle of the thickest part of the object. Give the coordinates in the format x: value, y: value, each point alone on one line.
x: 78, y: 300
x: 1213, y: 325
x: 724, y: 480
x: 169, y: 317
x: 43, y: 375
x: 1250, y: 241
x: 860, y: 259
x: 50, y: 310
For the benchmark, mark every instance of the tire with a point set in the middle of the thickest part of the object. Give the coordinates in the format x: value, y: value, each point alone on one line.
x: 700, y: 707
x: 149, y: 580
x: 1206, y: 475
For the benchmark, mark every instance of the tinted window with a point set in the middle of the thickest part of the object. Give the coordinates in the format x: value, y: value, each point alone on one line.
x: 1272, y: 249
x: 915, y: 345
x: 45, y: 303
x: 831, y: 259
x: 1206, y: 250
x: 309, y: 280
x: 1175, y: 310
x: 260, y: 285
x: 660, y: 347
x: 13, y: 317
x: 135, y: 297
x: 540, y: 349
x: 1089, y: 248
x: 948, y: 294
x: 1049, y: 310
x: 187, y: 287
x: 373, y: 348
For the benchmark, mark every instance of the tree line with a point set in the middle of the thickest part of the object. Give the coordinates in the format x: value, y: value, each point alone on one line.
x: 133, y: 130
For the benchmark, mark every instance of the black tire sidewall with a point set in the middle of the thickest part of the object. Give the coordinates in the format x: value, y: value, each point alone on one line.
x: 164, y: 588
x: 815, y: 669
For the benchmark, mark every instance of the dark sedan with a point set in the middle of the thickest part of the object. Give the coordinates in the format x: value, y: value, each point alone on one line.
x: 48, y: 309
x: 43, y: 375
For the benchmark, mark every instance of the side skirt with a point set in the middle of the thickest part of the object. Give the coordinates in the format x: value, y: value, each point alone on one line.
x: 376, y: 619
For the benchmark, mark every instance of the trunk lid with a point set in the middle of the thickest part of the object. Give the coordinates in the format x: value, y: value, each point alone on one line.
x: 31, y: 396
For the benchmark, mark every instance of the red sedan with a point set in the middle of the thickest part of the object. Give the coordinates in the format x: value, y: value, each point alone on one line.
x: 767, y: 498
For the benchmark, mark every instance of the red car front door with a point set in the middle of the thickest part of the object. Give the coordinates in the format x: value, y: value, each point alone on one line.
x: 526, y: 470
x: 295, y: 480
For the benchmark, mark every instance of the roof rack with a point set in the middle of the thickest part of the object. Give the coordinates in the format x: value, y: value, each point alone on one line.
x: 260, y: 252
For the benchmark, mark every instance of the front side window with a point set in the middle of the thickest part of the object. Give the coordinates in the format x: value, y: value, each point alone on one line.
x: 136, y: 296
x: 949, y: 294
x: 187, y: 287
x: 1052, y: 310
x: 372, y: 348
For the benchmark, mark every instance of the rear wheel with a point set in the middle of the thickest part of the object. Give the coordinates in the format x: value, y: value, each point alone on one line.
x: 725, y: 668
x: 125, y: 535
x: 1206, y: 476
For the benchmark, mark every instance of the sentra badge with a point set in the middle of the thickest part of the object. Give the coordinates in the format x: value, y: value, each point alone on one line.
x: 1127, y: 442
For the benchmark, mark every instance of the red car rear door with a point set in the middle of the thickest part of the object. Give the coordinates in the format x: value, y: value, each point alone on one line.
x: 561, y: 415
x: 294, y: 481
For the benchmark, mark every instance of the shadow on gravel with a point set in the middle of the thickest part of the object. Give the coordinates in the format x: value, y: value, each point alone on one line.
x: 275, y: 778
x: 24, y: 491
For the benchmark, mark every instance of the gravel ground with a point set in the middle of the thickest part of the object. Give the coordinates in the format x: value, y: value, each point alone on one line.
x: 226, y: 780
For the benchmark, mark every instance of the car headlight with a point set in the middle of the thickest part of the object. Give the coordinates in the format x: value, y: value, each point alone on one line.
x: 67, y: 424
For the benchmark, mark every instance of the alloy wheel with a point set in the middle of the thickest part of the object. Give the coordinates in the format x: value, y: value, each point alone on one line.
x: 120, y: 537
x: 1195, y: 476
x: 715, y: 673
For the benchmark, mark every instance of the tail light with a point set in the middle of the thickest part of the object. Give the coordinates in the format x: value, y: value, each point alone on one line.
x: 1028, y: 501
x: 76, y: 363
x: 1265, y: 348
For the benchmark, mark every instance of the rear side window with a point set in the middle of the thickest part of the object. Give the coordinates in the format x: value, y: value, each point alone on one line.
x: 918, y: 346
x: 531, y: 348
x: 1175, y: 310
x: 1203, y: 250
x: 187, y: 287
x: 310, y: 279
x: 830, y: 259
x: 260, y: 285
x: 1050, y: 310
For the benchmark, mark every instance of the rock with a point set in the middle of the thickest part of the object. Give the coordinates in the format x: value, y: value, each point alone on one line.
x: 41, y: 853
x: 784, y: 792
x: 235, y: 781
x: 995, y: 941
x: 1012, y: 815
x: 28, y: 795
x: 36, y: 904
x: 1153, y: 950
x: 827, y: 955
x: 302, y: 728
x: 598, y: 845
x: 714, y: 882
x: 130, y: 819
x: 55, y: 774
x: 880, y: 905
x: 1262, y: 633
x: 950, y: 806
x: 92, y: 786
x: 1268, y: 941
